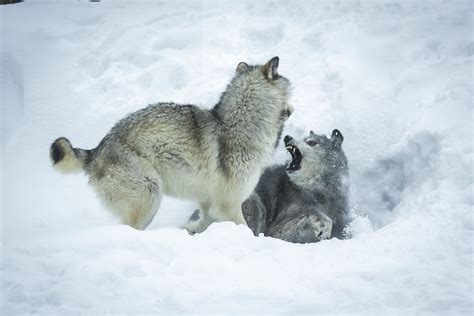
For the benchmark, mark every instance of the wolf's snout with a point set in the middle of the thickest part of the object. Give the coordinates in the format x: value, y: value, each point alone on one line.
x: 287, y: 139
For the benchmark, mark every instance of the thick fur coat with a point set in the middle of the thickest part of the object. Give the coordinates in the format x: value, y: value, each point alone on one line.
x: 214, y: 157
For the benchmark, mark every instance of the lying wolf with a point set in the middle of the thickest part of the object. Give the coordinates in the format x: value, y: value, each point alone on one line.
x: 305, y: 201
x: 212, y: 156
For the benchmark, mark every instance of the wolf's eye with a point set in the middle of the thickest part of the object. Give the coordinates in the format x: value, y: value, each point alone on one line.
x: 311, y: 143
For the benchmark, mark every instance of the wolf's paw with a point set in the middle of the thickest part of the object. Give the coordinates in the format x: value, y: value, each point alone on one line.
x: 197, y: 223
x: 312, y: 228
x: 316, y: 227
x: 303, y: 229
x: 322, y: 228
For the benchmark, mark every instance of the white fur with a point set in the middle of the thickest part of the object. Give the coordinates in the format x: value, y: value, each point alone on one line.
x: 69, y: 164
x: 310, y: 166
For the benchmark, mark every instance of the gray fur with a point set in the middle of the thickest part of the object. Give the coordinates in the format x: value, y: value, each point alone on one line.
x: 212, y: 156
x: 305, y: 205
x: 324, y: 173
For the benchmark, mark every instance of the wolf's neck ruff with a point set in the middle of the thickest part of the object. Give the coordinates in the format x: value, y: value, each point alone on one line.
x: 250, y: 112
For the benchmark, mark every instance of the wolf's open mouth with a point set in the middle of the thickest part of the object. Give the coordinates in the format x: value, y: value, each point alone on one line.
x: 295, y: 163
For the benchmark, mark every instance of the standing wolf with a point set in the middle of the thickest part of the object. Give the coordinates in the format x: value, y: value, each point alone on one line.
x: 305, y: 201
x: 213, y: 156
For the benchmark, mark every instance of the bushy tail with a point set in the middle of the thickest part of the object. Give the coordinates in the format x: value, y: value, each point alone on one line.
x: 67, y: 159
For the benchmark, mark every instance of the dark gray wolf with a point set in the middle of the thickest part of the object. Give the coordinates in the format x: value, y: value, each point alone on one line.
x: 305, y: 201
x: 212, y: 156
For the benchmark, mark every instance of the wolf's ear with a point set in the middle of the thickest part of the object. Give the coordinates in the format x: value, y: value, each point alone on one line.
x: 270, y: 69
x: 242, y: 67
x: 312, y: 134
x: 337, y: 138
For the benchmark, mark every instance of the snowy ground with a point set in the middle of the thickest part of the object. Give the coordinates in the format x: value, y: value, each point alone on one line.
x: 394, y: 77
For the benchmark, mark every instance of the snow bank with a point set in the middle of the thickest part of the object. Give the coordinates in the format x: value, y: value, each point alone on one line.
x: 394, y: 77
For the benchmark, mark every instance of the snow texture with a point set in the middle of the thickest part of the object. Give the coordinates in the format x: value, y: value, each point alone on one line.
x: 396, y: 79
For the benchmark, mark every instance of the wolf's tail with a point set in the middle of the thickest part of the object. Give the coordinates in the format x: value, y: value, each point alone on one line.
x: 66, y: 158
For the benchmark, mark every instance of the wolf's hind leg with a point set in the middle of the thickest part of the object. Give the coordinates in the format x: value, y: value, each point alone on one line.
x: 148, y: 205
x: 134, y: 197
x: 138, y: 204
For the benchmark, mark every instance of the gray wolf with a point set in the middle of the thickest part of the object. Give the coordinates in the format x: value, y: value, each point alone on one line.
x: 214, y: 156
x: 306, y: 201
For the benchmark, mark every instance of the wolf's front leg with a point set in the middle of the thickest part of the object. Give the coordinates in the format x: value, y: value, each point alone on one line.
x: 199, y: 220
x: 254, y: 212
x: 221, y: 212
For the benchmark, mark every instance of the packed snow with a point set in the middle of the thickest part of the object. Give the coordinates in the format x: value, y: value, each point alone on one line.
x: 396, y: 79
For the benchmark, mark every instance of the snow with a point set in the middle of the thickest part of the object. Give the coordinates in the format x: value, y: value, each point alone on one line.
x: 395, y: 78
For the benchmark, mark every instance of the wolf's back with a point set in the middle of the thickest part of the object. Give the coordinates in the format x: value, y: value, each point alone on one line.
x: 66, y: 158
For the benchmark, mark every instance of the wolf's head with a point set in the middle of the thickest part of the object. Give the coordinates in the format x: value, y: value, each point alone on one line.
x: 258, y: 91
x: 317, y: 159
x: 269, y: 81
